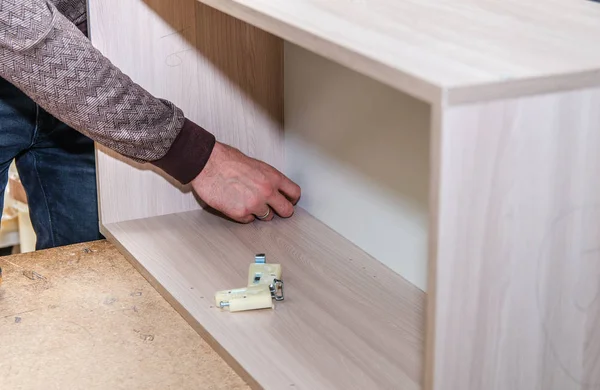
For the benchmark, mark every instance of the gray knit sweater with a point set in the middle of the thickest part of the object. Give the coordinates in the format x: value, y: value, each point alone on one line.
x: 45, y: 52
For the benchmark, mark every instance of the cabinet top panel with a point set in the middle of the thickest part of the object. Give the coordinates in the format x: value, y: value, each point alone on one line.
x: 443, y: 51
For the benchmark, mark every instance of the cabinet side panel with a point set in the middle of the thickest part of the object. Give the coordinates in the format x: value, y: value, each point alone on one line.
x: 360, y: 151
x: 517, y: 270
x: 224, y: 74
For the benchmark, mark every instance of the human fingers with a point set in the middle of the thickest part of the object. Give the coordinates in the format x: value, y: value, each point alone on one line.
x: 235, y: 215
x: 265, y: 215
x: 247, y: 219
x: 290, y: 189
x: 281, y: 205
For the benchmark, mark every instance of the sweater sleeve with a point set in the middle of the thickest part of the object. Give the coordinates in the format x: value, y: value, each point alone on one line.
x: 48, y: 58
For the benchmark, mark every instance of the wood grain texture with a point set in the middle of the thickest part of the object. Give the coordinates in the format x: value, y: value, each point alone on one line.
x: 225, y: 75
x: 360, y: 151
x: 516, y: 299
x: 347, y: 322
x: 81, y: 317
x: 462, y: 51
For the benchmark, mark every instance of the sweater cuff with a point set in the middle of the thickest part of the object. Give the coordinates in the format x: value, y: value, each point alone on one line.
x: 188, y: 154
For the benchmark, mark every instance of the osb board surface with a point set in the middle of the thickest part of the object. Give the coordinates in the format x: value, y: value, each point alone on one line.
x: 81, y: 317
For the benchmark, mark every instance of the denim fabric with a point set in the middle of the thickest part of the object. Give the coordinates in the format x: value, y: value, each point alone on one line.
x: 56, y: 165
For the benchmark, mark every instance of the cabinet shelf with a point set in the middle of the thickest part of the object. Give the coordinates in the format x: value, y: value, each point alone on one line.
x: 458, y: 51
x: 347, y: 321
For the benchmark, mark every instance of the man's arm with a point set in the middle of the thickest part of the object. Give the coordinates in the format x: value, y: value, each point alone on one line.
x: 52, y: 61
x: 48, y: 58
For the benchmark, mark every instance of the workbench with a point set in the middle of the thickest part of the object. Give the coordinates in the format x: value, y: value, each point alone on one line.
x: 81, y: 317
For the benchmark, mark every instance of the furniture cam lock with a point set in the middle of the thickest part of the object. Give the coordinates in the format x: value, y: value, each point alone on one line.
x: 265, y: 285
x: 246, y: 298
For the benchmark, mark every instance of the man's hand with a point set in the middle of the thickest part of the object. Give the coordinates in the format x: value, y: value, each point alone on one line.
x: 243, y: 188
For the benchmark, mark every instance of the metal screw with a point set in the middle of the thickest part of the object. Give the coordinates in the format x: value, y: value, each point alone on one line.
x: 260, y: 258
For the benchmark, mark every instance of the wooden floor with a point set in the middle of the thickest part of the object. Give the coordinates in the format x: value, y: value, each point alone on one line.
x: 347, y: 321
x: 81, y: 317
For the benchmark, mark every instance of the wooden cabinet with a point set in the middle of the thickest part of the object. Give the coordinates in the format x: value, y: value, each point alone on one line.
x: 448, y: 235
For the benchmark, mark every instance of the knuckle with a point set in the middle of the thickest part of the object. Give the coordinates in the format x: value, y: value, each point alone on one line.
x: 253, y: 204
x: 279, y: 178
x: 240, y: 212
x: 267, y: 190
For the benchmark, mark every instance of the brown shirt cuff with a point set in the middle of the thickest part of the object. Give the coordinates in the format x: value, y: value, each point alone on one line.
x: 188, y: 154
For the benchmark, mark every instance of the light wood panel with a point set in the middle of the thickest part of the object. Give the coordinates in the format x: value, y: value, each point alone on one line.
x: 517, y: 261
x: 347, y: 321
x: 224, y: 74
x: 469, y: 49
x: 360, y: 151
x: 514, y: 210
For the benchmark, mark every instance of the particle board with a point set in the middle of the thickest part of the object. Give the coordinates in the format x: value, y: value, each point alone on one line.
x: 515, y: 258
x: 347, y: 321
x: 81, y: 317
x: 443, y: 51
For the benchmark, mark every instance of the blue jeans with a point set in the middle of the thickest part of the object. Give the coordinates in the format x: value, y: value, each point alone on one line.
x: 56, y: 165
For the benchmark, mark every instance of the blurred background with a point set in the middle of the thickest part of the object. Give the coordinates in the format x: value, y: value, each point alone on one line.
x: 16, y: 232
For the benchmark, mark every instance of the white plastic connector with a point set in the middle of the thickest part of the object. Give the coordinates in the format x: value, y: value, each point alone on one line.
x: 264, y: 286
x: 263, y: 273
x: 246, y: 298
